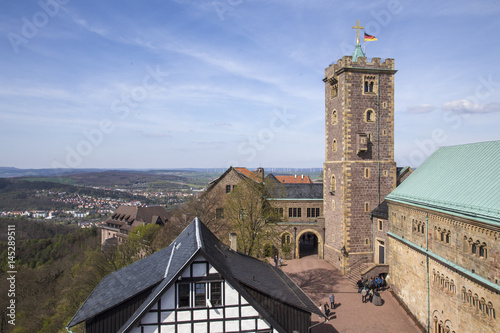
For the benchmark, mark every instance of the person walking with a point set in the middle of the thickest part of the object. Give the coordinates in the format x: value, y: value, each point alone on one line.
x: 363, y: 295
x: 360, y: 285
x: 332, y: 301
x: 327, y: 310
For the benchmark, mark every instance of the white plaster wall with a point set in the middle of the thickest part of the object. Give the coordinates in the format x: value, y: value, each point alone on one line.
x: 230, y: 295
x: 199, y: 269
x: 168, y: 298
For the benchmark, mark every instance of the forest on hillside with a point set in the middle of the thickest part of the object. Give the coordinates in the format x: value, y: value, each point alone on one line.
x: 57, y: 267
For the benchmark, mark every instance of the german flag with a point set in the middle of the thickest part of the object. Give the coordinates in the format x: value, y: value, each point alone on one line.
x: 369, y: 38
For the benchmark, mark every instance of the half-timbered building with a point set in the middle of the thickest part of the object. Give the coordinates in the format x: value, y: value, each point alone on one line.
x: 197, y: 284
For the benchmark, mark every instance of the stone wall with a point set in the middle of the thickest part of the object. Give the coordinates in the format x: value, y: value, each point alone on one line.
x: 359, y: 168
x: 458, y: 297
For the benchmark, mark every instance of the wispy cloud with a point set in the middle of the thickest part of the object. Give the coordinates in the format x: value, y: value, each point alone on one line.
x: 422, y: 108
x: 466, y: 106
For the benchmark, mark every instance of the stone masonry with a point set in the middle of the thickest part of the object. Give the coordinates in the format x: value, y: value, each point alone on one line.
x: 359, y: 168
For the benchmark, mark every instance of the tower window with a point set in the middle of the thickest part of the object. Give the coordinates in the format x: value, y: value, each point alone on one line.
x: 334, y: 145
x: 334, y: 117
x: 367, y: 172
x: 369, y: 84
x: 367, y: 207
x: 332, y: 185
x: 380, y: 225
x: 334, y: 90
x: 370, y: 116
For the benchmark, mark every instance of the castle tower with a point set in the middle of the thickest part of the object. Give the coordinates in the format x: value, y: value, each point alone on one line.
x: 359, y: 168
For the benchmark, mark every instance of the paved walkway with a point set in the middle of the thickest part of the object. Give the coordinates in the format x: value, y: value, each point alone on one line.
x: 318, y: 279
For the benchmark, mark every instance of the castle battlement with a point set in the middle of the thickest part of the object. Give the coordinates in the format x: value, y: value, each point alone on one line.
x: 346, y: 62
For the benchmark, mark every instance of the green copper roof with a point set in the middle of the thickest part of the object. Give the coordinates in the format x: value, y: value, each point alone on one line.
x: 358, y: 52
x: 460, y: 180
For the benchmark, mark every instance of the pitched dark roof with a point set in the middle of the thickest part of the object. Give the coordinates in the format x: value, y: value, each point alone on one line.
x: 299, y: 191
x: 163, y: 267
x: 382, y: 211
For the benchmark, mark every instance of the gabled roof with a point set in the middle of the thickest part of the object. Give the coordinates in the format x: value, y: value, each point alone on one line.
x: 130, y: 214
x: 161, y: 269
x: 248, y: 174
x: 244, y: 173
x: 461, y: 180
x: 294, y: 179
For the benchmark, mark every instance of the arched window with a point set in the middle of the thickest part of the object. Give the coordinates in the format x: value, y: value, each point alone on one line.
x: 370, y: 116
x: 366, y: 86
x: 334, y: 117
x: 423, y: 227
x: 464, y: 295
x: 447, y: 237
x: 483, y: 252
x: 474, y: 248
x: 285, y: 239
x: 332, y: 184
x: 370, y: 88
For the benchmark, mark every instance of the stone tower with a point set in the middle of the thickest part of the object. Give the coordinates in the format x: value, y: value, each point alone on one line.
x: 359, y: 168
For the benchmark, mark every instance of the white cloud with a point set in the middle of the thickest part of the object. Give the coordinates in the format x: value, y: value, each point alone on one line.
x: 466, y: 106
x: 421, y: 108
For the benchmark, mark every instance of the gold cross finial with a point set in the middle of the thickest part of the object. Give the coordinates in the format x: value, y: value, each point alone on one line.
x: 357, y: 27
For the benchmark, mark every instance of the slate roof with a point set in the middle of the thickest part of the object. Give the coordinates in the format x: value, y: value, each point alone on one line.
x: 162, y: 268
x: 461, y: 180
x: 382, y: 211
x: 129, y: 217
x: 298, y: 191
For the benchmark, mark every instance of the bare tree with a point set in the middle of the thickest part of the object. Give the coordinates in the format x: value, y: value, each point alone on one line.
x: 251, y: 216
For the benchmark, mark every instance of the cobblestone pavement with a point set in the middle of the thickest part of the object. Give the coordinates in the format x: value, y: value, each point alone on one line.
x: 318, y: 279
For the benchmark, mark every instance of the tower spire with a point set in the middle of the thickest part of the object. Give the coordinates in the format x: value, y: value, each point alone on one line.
x: 357, y: 27
x: 358, y: 52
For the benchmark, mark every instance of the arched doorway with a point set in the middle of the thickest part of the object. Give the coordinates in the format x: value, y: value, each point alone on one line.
x: 309, y: 243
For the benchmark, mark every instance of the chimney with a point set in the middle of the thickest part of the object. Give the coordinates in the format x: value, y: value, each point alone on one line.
x: 232, y: 240
x: 259, y: 173
x: 295, y: 176
x: 302, y: 176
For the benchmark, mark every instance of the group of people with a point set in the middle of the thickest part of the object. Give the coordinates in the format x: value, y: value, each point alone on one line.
x: 329, y: 308
x: 278, y: 262
x: 368, y: 288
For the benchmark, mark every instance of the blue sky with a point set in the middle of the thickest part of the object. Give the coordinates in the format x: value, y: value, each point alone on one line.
x: 171, y: 84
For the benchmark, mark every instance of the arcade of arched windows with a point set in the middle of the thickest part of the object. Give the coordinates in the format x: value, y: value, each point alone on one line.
x: 442, y: 327
x: 443, y: 282
x: 475, y: 247
x: 442, y: 235
x: 472, y: 300
x: 418, y: 227
x: 478, y: 305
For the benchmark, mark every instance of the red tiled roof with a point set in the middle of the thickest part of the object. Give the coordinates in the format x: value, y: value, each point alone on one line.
x: 302, y: 179
x: 249, y: 174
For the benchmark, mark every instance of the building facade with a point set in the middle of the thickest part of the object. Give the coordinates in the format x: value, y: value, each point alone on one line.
x: 444, y: 225
x: 359, y: 168
x: 298, y: 202
x: 197, y: 284
x: 125, y: 219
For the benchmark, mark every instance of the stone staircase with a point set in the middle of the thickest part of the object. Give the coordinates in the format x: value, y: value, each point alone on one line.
x: 355, y: 272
